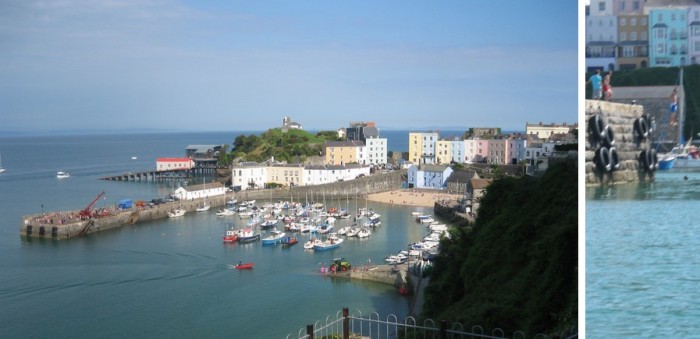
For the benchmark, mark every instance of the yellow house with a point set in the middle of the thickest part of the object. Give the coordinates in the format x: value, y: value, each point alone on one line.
x: 288, y: 175
x: 343, y: 152
x: 415, y: 147
x: 443, y: 151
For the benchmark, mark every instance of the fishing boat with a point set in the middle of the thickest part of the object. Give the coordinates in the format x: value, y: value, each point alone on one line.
x: 332, y: 242
x: 289, y: 241
x: 231, y: 236
x: 248, y: 234
x: 274, y: 238
x: 244, y: 266
x: 62, y: 175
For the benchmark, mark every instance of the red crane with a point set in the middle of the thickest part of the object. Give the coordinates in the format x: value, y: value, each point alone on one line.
x: 86, y: 212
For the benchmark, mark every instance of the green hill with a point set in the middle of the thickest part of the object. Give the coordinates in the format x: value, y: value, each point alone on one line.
x: 289, y: 146
x: 516, y: 267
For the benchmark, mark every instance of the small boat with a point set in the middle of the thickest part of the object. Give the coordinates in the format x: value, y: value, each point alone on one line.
x: 332, y: 242
x: 425, y: 219
x: 1, y: 169
x: 364, y: 233
x: 223, y: 212
x: 244, y: 266
x: 344, y: 230
x: 274, y: 238
x: 203, y: 207
x: 178, y: 212
x: 325, y: 228
x: 268, y: 223
x: 231, y: 236
x: 309, y: 245
x: 134, y: 158
x: 62, y: 175
x: 248, y: 235
x: 289, y: 241
x: 416, y: 214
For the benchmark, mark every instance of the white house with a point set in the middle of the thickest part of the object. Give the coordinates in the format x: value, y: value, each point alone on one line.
x: 200, y: 191
x: 248, y: 175
x: 376, y: 151
x: 317, y: 175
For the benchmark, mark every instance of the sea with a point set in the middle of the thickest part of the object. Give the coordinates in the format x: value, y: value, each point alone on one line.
x: 642, y: 258
x: 171, y: 277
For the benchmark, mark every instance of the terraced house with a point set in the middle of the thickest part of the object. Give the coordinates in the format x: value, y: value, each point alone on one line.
x: 345, y: 152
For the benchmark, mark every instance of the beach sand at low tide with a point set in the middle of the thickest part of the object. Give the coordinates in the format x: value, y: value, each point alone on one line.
x: 413, y: 197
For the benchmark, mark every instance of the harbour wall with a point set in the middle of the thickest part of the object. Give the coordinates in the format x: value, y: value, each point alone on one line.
x: 629, y: 146
x: 338, y: 190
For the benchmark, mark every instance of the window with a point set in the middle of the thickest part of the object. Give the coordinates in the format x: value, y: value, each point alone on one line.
x: 644, y: 36
x: 696, y: 46
x: 673, y: 16
x: 644, y: 21
x: 635, y: 5
x: 695, y: 30
x: 633, y: 21
x: 622, y: 5
x: 633, y: 36
x: 628, y: 51
x: 601, y: 6
x: 623, y: 22
x: 623, y: 36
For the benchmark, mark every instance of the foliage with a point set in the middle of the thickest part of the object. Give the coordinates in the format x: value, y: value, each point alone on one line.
x: 289, y: 146
x: 516, y: 267
x: 665, y: 76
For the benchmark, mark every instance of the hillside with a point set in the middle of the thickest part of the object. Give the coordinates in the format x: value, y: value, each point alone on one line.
x: 663, y: 76
x: 516, y: 267
x: 288, y: 146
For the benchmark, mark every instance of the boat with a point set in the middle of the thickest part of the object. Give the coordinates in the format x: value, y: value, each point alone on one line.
x: 244, y: 266
x: 425, y: 219
x: 364, y: 233
x: 1, y: 169
x: 344, y: 230
x: 274, y: 238
x: 222, y: 212
x: 177, y: 212
x: 231, y: 236
x: 203, y: 207
x: 248, y: 234
x: 309, y: 245
x: 415, y: 213
x: 332, y: 242
x: 134, y: 158
x: 62, y: 175
x: 268, y: 223
x: 289, y: 241
x: 324, y: 229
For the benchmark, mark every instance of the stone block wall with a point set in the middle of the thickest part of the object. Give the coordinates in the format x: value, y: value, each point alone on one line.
x: 620, y: 118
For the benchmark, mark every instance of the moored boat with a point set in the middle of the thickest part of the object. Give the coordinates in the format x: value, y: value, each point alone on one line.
x: 275, y: 237
x: 62, y: 175
x: 231, y: 236
x: 289, y: 241
x: 331, y: 243
x: 309, y: 245
x: 248, y: 234
x: 178, y: 212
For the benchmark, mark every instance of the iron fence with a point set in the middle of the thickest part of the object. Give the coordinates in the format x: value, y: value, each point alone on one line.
x: 347, y: 326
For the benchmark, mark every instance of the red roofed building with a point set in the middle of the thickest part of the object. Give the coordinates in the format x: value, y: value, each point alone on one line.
x: 171, y: 164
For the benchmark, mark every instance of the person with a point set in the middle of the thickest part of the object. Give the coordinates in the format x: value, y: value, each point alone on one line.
x: 673, y: 107
x: 607, y: 88
x: 595, y: 80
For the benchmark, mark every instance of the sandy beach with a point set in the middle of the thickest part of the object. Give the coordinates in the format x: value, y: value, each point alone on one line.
x: 410, y: 197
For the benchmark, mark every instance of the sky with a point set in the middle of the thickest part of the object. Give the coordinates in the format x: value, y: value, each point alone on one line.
x: 244, y: 65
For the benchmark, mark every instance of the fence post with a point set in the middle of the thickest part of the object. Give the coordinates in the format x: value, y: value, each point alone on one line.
x: 443, y: 329
x: 310, y: 331
x: 346, y: 323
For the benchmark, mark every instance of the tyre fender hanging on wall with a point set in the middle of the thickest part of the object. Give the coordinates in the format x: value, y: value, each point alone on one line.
x: 602, y: 159
x: 597, y: 127
x: 614, y: 159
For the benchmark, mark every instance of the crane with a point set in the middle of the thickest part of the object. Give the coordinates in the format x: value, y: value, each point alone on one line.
x: 86, y: 212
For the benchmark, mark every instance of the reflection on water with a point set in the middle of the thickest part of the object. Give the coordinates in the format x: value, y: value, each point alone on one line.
x: 668, y: 185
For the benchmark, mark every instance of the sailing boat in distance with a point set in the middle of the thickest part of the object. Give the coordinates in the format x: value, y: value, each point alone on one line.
x: 1, y: 168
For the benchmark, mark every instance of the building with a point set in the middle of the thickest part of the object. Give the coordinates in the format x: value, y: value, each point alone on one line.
x: 318, y: 175
x: 516, y: 149
x: 287, y: 175
x: 483, y: 132
x: 204, y: 152
x: 421, y: 147
x: 668, y: 36
x: 200, y: 191
x: 459, y: 180
x: 476, y: 190
x: 544, y: 131
x: 288, y: 124
x: 361, y: 131
x: 377, y: 152
x: 249, y: 175
x: 476, y: 150
x: 428, y: 176
x: 345, y: 152
x: 171, y: 164
x: 498, y: 151
x: 633, y: 45
x: 601, y: 37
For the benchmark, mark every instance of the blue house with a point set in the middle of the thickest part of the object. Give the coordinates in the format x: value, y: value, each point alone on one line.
x: 668, y: 36
x: 428, y: 176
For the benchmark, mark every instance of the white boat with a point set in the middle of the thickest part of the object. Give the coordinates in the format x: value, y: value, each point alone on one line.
x: 415, y: 214
x: 178, y: 212
x: 134, y: 158
x: 352, y: 232
x: 275, y: 237
x: 223, y: 212
x: 425, y: 219
x: 364, y: 233
x: 203, y: 207
x: 344, y: 230
x: 331, y: 243
x: 1, y: 169
x: 62, y: 175
x: 309, y: 245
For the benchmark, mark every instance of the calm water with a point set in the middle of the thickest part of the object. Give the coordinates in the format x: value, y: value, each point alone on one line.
x: 169, y: 278
x: 642, y: 259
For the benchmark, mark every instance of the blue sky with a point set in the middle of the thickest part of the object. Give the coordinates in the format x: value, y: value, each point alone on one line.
x: 243, y: 65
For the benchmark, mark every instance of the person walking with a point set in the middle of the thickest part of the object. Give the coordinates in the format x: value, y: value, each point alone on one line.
x: 596, y: 81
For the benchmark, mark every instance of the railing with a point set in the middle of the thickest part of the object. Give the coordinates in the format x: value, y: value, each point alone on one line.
x: 346, y: 326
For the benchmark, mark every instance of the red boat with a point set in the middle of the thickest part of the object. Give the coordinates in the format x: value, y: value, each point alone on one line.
x: 244, y: 266
x: 289, y: 241
x: 231, y: 236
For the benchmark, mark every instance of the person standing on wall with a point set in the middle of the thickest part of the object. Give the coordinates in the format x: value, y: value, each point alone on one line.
x: 607, y: 88
x: 595, y: 80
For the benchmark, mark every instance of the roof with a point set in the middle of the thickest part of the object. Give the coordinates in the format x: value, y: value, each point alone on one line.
x: 433, y: 168
x: 480, y: 184
x: 345, y: 143
x: 461, y: 176
x: 173, y: 159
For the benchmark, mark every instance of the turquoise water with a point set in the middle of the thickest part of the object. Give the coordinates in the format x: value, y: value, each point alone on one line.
x: 643, y: 259
x: 168, y: 278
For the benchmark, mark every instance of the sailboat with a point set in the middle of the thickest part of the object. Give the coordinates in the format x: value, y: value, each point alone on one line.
x: 1, y: 169
x: 204, y: 206
x: 683, y: 155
